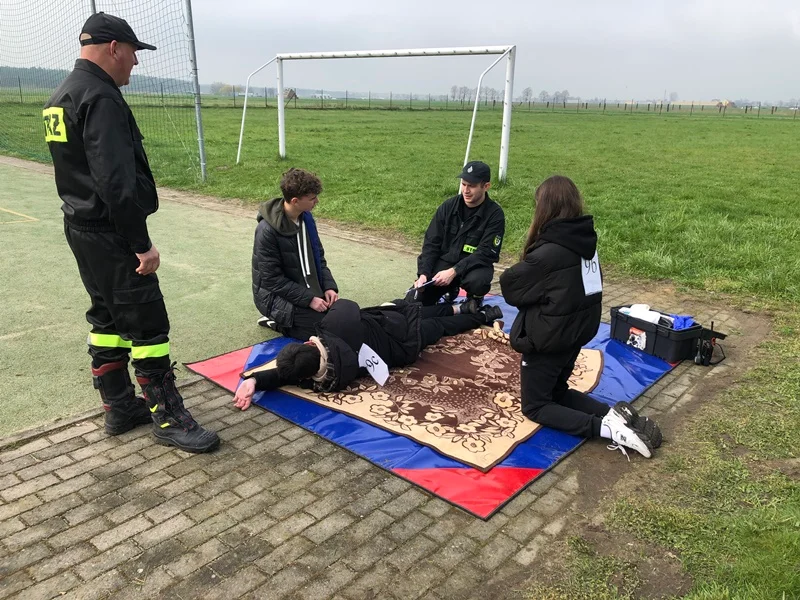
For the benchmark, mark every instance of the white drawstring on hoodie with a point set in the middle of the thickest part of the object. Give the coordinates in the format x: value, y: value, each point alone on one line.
x: 302, y: 250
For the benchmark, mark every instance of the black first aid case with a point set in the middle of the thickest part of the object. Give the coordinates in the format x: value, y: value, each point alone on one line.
x: 664, y: 342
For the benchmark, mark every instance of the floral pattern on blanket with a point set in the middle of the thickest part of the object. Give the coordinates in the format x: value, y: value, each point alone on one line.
x: 460, y: 398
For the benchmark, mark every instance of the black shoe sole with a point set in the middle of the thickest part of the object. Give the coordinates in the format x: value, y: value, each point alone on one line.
x: 193, y: 449
x: 642, y: 425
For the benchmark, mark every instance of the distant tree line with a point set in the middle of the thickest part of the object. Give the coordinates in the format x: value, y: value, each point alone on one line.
x: 38, y: 78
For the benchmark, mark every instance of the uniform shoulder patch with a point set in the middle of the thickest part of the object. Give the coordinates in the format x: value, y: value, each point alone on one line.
x: 55, y: 130
x: 497, y: 240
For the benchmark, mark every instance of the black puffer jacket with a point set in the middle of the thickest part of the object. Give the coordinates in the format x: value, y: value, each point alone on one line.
x: 285, y: 272
x: 393, y: 332
x: 555, y: 314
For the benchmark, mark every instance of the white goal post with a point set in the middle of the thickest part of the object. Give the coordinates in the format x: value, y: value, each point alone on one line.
x: 507, y: 52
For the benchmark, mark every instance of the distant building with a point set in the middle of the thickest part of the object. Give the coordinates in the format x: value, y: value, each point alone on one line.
x: 322, y: 96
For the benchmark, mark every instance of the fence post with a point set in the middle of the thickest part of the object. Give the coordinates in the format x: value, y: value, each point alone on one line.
x: 429, y: 101
x: 410, y: 98
x: 390, y: 100
x: 369, y: 100
x: 162, y: 92
x: 691, y: 110
x: 661, y: 107
x: 322, y: 98
x: 724, y: 110
x: 19, y: 83
x: 758, y: 115
x: 345, y: 98
x: 234, y: 96
x: 604, y: 106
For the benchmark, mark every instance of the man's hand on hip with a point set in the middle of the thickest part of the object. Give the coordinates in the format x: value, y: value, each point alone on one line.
x: 149, y: 261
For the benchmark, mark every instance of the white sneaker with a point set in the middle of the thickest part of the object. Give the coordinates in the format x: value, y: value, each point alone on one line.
x: 643, y: 425
x: 266, y: 322
x: 615, y: 429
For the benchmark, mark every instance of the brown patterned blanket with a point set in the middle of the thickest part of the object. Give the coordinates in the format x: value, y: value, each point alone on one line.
x: 460, y: 398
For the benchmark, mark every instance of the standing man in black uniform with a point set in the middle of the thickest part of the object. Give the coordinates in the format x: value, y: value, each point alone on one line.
x: 104, y: 179
x: 462, y: 243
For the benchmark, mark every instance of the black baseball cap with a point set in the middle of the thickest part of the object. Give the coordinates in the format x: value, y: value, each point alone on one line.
x: 476, y: 172
x: 102, y: 28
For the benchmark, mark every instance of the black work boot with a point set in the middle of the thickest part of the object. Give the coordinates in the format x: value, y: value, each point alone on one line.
x: 124, y: 410
x: 173, y: 425
x: 491, y: 313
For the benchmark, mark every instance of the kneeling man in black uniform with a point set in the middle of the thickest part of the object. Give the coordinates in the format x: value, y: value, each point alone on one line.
x: 462, y: 244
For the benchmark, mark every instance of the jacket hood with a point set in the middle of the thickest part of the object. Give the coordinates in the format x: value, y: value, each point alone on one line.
x: 576, y: 234
x: 272, y: 212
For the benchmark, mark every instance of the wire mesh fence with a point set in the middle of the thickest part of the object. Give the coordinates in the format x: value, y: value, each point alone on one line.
x: 265, y: 97
x: 38, y: 48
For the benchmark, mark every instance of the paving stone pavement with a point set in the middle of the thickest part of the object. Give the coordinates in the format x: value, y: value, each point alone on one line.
x: 276, y: 512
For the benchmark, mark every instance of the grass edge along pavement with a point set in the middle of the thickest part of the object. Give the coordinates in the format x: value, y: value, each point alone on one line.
x: 725, y: 502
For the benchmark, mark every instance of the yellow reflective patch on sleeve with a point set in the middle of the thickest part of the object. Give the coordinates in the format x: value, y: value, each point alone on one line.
x: 55, y: 130
x: 468, y: 249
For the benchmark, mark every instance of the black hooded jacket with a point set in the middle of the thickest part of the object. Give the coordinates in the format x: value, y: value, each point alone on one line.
x: 393, y: 332
x: 555, y: 314
x: 284, y: 269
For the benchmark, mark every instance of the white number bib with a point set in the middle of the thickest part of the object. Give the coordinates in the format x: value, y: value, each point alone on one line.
x: 590, y: 272
x: 373, y: 363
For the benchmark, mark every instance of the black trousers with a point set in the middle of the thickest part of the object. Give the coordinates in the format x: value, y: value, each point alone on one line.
x: 439, y: 321
x: 127, y: 312
x: 476, y: 282
x: 304, y: 323
x: 547, y: 399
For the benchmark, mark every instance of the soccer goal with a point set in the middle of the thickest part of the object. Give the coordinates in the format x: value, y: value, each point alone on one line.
x: 507, y: 52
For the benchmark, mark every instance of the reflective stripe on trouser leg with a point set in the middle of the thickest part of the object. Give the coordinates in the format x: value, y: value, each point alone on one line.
x: 152, y: 351
x: 107, y: 340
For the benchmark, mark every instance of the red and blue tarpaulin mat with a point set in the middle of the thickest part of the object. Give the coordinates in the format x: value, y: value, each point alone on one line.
x: 626, y: 374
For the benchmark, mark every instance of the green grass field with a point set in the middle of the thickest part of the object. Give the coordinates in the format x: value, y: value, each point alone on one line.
x: 703, y: 200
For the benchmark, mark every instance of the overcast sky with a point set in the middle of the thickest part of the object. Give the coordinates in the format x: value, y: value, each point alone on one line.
x: 701, y: 49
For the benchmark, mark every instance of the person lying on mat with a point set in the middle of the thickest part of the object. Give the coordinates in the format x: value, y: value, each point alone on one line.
x: 292, y: 284
x: 557, y: 287
x: 329, y: 361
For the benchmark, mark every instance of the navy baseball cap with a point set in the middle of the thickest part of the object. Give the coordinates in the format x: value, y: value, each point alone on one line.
x: 476, y: 172
x: 102, y: 28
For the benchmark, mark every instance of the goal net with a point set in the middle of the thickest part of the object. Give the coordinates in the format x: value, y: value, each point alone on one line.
x: 38, y: 48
